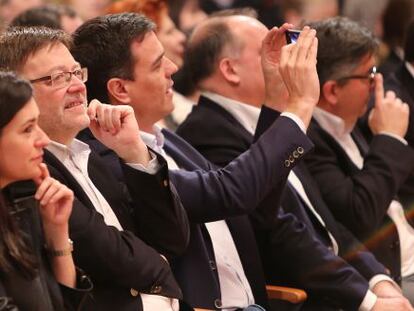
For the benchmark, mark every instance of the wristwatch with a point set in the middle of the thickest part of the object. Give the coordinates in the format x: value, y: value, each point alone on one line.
x: 61, y: 252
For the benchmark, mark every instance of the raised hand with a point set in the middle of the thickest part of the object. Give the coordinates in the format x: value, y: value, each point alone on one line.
x: 389, y: 114
x: 276, y: 92
x: 298, y: 71
x: 117, y: 128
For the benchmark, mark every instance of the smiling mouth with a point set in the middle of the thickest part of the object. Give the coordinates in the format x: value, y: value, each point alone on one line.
x: 74, y: 104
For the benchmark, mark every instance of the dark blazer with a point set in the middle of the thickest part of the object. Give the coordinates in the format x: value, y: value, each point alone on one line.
x: 127, y: 262
x: 209, y: 195
x: 402, y: 83
x: 359, y: 199
x: 220, y: 137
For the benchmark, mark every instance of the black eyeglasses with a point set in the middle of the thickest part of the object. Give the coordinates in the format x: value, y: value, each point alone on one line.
x: 370, y: 77
x: 62, y: 79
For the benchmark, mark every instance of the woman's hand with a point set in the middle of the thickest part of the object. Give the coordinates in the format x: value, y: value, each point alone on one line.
x: 55, y: 199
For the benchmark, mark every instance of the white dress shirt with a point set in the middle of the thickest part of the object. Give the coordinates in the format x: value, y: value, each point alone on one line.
x: 75, y: 158
x: 248, y: 117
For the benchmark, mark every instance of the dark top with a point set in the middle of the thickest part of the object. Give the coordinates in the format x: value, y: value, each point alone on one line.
x: 40, y: 292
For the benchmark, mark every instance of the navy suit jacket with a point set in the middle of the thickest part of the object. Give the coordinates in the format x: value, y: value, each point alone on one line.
x: 359, y: 199
x: 208, y: 194
x: 123, y: 263
x: 220, y: 137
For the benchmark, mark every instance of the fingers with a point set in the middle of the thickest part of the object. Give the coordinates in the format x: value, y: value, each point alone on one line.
x: 379, y: 89
x: 44, y: 173
x: 51, y: 191
x: 106, y: 117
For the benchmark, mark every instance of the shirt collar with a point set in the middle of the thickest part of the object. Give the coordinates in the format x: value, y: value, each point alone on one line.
x: 331, y: 123
x: 154, y: 141
x: 410, y: 68
x: 245, y: 114
x: 62, y: 152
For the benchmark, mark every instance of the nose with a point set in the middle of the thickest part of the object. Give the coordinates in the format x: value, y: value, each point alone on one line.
x: 171, y: 68
x: 42, y: 140
x: 76, y: 85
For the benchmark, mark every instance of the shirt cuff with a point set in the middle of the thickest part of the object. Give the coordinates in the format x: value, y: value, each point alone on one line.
x: 382, y: 277
x: 152, y: 168
x: 295, y: 119
x: 369, y: 301
x: 402, y: 140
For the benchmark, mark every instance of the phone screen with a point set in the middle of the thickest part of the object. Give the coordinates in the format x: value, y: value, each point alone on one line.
x: 292, y: 36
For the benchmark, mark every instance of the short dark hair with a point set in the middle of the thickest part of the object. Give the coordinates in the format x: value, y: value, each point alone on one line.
x: 18, y: 43
x: 102, y: 44
x: 206, y: 46
x: 45, y: 15
x: 409, y: 43
x: 342, y: 44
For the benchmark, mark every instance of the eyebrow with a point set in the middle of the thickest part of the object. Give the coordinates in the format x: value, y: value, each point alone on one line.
x: 63, y: 68
x: 32, y: 120
x: 158, y: 60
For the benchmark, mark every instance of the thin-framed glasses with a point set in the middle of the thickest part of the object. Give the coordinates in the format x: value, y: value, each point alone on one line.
x: 370, y: 77
x: 62, y: 79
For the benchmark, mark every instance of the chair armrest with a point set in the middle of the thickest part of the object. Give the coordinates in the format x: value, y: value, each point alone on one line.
x: 293, y: 295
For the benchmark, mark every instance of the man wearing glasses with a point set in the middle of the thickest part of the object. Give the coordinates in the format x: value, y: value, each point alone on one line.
x: 115, y: 227
x: 360, y: 181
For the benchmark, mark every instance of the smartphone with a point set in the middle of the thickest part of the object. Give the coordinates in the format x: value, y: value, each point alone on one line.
x: 292, y: 36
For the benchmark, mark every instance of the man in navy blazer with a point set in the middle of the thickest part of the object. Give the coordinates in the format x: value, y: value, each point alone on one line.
x: 208, y: 195
x: 221, y: 127
x: 115, y: 230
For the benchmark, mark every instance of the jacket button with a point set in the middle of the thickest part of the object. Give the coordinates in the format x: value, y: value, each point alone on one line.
x: 165, y: 183
x: 156, y: 289
x: 217, y: 303
x: 212, y: 265
x: 134, y: 292
x: 291, y: 159
x: 295, y: 154
x: 287, y: 163
x: 300, y: 150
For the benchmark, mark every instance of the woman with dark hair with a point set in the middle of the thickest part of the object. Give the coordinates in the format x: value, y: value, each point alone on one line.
x: 35, y: 249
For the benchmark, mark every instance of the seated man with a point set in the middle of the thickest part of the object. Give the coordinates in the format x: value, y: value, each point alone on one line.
x: 359, y: 181
x: 221, y: 268
x: 118, y: 243
x: 222, y: 126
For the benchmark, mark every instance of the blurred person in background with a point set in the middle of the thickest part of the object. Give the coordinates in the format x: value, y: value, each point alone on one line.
x: 9, y: 9
x: 366, y: 12
x: 186, y: 14
x: 395, y: 21
x: 298, y: 12
x: 172, y: 39
x: 53, y: 16
x: 88, y: 9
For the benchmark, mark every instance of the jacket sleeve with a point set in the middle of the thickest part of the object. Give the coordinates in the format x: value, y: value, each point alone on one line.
x: 359, y: 198
x: 114, y: 257
x: 240, y: 186
x: 163, y: 224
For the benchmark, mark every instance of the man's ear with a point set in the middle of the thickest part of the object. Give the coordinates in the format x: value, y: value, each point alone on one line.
x: 118, y: 91
x: 228, y: 70
x: 330, y: 92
